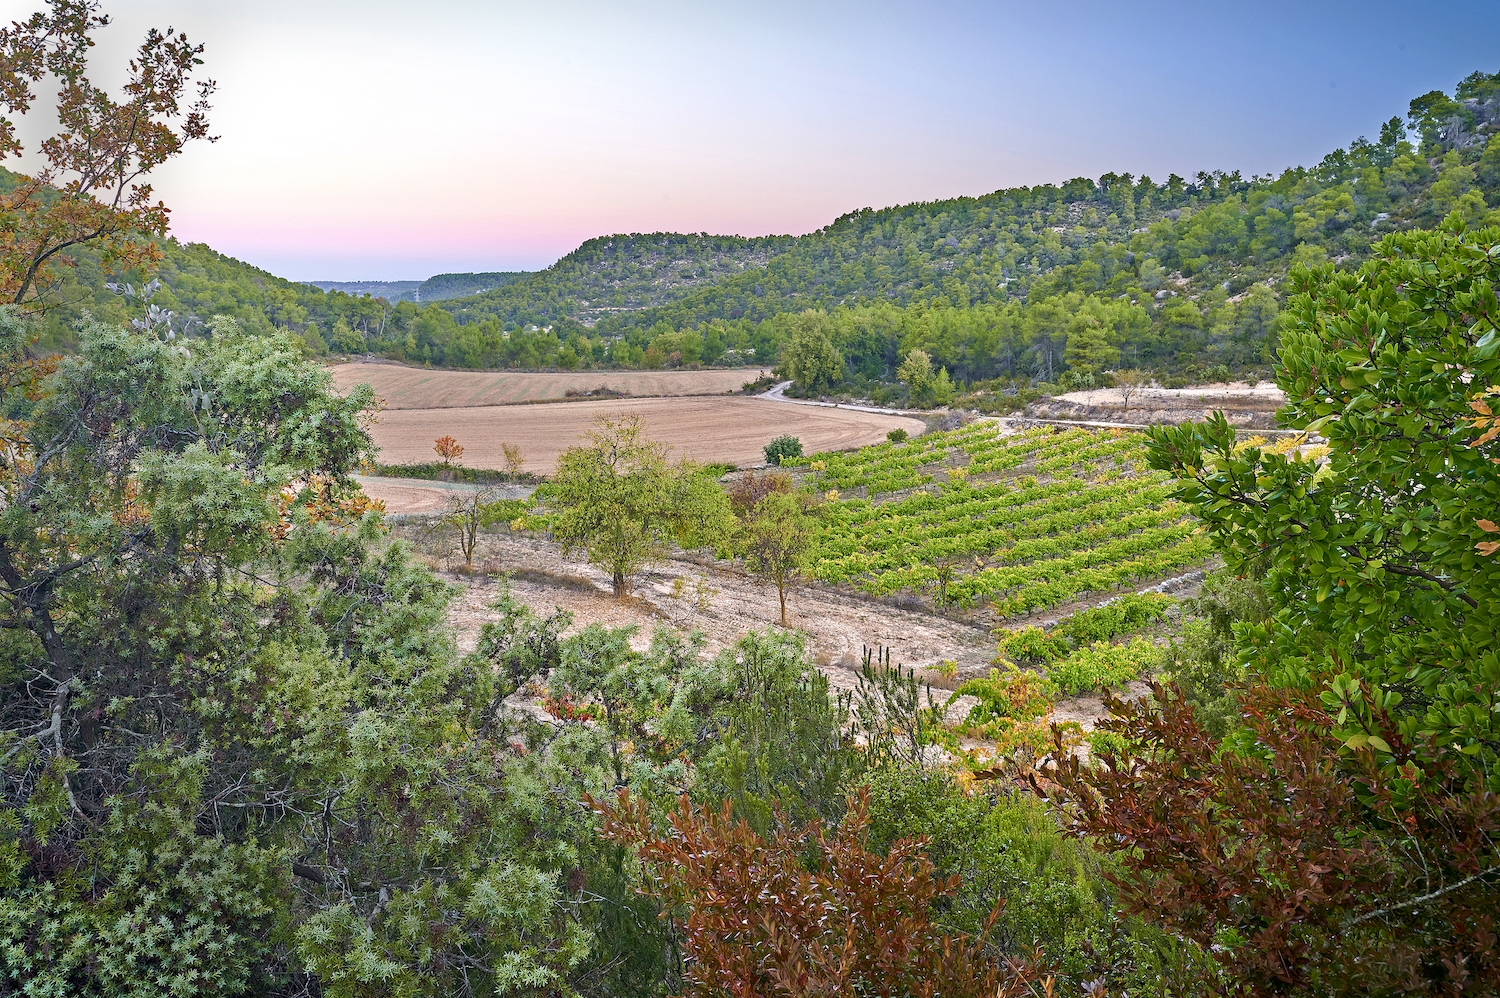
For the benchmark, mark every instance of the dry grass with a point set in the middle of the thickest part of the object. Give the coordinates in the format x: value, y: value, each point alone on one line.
x: 420, y: 388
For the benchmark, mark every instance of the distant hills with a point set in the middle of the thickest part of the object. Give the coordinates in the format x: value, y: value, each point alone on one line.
x: 1179, y: 251
x: 442, y: 287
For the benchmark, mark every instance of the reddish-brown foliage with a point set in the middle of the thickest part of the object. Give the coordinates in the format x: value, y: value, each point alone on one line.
x: 1304, y: 866
x: 89, y: 190
x: 754, y: 920
x: 448, y: 449
x: 746, y: 492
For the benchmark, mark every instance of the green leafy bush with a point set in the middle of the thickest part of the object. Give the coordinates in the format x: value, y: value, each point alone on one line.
x: 897, y: 436
x: 783, y: 449
x: 1015, y: 694
x: 1033, y: 646
x: 1121, y: 616
x: 1201, y: 659
x: 1102, y: 665
x: 999, y: 845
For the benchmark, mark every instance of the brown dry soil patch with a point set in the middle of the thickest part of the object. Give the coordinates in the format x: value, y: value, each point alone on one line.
x: 722, y: 601
x: 732, y: 430
x: 402, y: 387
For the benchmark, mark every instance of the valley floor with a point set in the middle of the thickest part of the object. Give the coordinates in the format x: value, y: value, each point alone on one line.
x: 722, y: 601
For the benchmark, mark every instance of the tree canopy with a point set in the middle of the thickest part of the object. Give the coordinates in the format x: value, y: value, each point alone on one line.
x: 1340, y: 838
x: 619, y: 500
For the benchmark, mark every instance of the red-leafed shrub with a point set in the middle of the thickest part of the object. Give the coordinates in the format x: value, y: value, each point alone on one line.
x: 1305, y: 867
x: 806, y: 912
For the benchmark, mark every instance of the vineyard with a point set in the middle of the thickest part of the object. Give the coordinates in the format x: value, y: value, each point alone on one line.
x: 1023, y: 521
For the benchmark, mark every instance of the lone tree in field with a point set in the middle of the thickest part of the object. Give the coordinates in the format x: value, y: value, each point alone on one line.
x: 1129, y: 383
x: 467, y: 513
x: 448, y: 449
x: 774, y: 534
x: 513, y: 459
x: 620, y: 501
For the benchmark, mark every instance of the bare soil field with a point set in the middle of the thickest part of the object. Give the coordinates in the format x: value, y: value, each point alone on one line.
x: 686, y: 592
x: 732, y: 430
x: 1253, y: 408
x: 401, y: 387
x: 407, y: 496
x: 722, y: 601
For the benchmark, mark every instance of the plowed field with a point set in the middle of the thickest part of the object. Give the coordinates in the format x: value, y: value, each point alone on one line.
x: 419, y: 388
x: 729, y: 429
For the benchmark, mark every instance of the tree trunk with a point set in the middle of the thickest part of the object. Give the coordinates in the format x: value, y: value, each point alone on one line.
x: 781, y: 591
x: 621, y: 588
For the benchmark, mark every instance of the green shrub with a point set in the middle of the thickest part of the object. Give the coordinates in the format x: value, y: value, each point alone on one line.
x: 782, y: 449
x: 1033, y: 646
x: 897, y: 436
x: 1103, y: 743
x: 1201, y: 659
x: 1102, y: 665
x: 1014, y: 694
x: 438, y: 471
x: 999, y: 845
x: 1121, y: 616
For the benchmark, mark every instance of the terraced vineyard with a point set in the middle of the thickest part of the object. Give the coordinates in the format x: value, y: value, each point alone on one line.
x: 1024, y: 521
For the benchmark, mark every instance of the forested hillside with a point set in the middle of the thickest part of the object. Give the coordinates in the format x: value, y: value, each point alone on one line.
x: 1042, y: 283
x: 621, y: 274
x: 439, y: 287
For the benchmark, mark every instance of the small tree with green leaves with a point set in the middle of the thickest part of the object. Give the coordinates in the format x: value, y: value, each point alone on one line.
x: 925, y: 388
x: 775, y: 534
x: 783, y: 448
x: 621, y: 502
x: 810, y: 357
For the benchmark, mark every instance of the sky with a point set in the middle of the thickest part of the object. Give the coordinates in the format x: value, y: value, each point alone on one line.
x: 378, y: 140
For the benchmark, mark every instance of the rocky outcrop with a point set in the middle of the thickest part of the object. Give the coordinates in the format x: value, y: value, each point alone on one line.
x: 1246, y: 413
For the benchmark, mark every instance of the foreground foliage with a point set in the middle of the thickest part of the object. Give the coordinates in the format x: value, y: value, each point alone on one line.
x: 238, y: 750
x: 1341, y: 839
x: 758, y: 921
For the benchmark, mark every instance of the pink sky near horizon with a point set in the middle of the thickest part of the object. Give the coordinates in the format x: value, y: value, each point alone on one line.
x: 394, y: 140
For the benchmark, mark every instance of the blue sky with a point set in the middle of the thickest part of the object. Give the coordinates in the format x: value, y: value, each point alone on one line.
x: 380, y: 140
